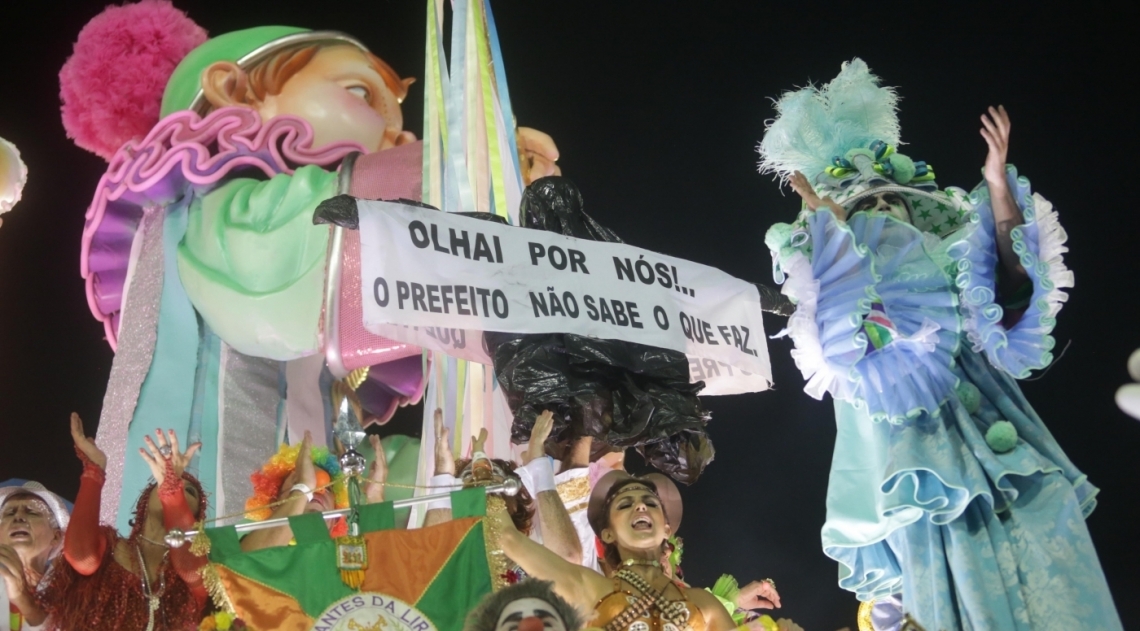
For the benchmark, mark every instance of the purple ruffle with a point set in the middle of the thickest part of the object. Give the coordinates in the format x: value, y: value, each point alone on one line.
x: 873, y: 257
x: 1039, y: 244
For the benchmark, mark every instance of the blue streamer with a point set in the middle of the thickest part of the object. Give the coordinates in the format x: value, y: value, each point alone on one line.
x: 166, y: 398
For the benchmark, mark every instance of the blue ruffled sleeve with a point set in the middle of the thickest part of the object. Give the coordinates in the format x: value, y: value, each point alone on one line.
x: 1040, y: 244
x: 870, y: 269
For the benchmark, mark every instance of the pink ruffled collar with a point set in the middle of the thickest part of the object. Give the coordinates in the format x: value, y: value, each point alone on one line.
x: 182, y: 152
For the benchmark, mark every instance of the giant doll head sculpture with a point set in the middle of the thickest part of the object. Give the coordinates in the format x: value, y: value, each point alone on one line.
x: 329, y: 79
x: 219, y: 149
x: 136, y: 64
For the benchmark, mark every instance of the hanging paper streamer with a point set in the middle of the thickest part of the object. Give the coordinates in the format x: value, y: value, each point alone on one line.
x: 470, y: 164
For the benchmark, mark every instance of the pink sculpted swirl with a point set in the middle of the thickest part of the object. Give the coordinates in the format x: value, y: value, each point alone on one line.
x: 183, y: 154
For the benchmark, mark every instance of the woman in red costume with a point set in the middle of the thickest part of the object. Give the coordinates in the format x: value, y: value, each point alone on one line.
x: 111, y: 582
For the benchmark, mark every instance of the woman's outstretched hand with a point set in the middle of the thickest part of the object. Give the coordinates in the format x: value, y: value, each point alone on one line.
x: 995, y: 129
x: 305, y: 472
x: 1007, y: 215
x: 758, y: 595
x: 166, y: 449
x: 85, y: 445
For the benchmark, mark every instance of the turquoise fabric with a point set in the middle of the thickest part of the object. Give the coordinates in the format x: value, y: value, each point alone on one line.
x: 920, y: 505
x: 243, y: 267
x: 204, y: 413
x: 252, y: 262
x: 167, y: 394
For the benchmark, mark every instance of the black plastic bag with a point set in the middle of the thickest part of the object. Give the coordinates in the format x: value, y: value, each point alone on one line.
x: 621, y: 393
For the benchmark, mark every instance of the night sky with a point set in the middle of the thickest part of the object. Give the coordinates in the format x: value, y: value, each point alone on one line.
x: 657, y: 107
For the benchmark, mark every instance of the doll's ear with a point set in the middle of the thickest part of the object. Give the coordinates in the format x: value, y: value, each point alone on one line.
x: 225, y: 84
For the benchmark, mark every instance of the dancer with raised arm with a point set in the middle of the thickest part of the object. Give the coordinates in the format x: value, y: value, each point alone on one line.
x: 916, y: 309
x: 110, y: 582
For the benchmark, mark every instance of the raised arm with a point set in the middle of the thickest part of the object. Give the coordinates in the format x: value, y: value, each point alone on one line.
x: 167, y: 462
x: 580, y: 586
x: 1007, y: 216
x: 444, y: 472
x: 558, y: 533
x: 294, y: 497
x: 84, y: 545
x: 377, y: 472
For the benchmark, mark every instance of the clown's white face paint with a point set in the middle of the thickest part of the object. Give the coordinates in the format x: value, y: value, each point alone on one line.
x: 530, y: 614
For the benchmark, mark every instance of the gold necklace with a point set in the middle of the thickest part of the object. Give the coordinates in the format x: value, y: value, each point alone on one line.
x: 645, y: 562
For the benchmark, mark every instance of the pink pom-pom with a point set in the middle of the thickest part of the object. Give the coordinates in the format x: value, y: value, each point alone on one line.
x: 112, y: 84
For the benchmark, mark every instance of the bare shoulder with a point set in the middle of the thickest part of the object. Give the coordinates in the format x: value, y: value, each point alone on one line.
x: 593, y: 586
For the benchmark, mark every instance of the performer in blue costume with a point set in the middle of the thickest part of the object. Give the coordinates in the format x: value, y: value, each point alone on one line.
x: 916, y: 309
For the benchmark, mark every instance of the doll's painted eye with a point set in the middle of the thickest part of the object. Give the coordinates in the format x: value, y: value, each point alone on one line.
x: 360, y: 91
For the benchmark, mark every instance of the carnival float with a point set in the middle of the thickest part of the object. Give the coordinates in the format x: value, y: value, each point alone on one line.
x: 278, y: 264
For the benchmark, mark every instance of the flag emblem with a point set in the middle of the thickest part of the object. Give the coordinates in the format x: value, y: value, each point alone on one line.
x: 371, y: 611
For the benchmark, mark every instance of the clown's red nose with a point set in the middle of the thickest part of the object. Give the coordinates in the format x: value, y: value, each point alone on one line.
x: 533, y: 623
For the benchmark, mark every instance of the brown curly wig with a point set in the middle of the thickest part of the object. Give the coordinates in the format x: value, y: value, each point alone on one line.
x: 138, y: 516
x: 521, y: 506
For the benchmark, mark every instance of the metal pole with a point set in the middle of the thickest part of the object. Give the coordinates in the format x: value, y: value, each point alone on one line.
x: 177, y: 538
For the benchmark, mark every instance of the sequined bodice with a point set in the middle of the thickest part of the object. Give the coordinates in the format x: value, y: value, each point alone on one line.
x: 625, y: 609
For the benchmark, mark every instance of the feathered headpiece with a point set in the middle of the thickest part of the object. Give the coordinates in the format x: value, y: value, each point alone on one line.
x: 842, y: 137
x: 814, y: 125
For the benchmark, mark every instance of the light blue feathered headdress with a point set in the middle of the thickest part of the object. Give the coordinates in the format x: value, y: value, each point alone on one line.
x: 814, y: 125
x: 842, y: 137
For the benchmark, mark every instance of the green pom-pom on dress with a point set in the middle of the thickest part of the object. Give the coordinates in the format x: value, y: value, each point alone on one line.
x: 969, y: 395
x: 1001, y: 437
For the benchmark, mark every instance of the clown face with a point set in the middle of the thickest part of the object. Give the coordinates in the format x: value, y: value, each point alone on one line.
x: 342, y: 95
x: 529, y: 614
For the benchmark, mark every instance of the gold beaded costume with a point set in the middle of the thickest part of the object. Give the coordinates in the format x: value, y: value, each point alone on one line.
x: 644, y: 608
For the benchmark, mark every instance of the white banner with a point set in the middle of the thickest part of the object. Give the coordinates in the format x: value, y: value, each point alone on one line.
x: 438, y: 280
